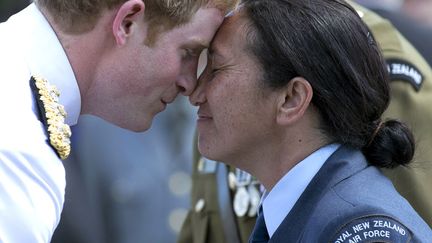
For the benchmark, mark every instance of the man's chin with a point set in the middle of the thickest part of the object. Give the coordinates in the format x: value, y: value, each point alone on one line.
x: 136, y: 126
x: 143, y: 127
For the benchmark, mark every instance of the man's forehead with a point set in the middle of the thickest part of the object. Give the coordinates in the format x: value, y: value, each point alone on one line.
x: 200, y: 30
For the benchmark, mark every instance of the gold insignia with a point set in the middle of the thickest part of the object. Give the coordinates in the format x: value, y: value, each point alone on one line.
x: 54, y: 115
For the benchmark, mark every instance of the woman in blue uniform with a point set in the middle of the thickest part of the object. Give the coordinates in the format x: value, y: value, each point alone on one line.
x: 293, y: 93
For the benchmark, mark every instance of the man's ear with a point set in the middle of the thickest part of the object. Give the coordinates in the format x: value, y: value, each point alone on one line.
x: 127, y: 14
x: 294, y: 101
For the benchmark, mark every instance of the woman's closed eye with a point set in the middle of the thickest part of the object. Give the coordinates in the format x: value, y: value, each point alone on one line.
x: 215, y: 70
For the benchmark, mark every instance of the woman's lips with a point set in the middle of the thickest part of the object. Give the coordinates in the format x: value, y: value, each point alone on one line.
x: 203, y: 117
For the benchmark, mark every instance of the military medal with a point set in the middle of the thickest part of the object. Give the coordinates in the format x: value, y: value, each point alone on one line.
x: 255, y: 198
x: 247, y: 196
x: 241, y: 202
x: 241, y: 197
x: 242, y: 178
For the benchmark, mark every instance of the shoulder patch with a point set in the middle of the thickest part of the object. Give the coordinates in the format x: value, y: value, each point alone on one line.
x: 401, y: 70
x: 372, y: 228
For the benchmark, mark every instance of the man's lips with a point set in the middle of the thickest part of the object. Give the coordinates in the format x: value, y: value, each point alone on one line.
x: 167, y: 102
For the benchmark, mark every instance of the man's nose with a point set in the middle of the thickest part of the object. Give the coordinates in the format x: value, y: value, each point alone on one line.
x: 187, y: 84
x: 187, y: 81
x: 198, y: 96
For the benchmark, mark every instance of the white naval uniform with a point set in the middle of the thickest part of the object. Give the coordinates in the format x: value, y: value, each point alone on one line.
x: 32, y: 177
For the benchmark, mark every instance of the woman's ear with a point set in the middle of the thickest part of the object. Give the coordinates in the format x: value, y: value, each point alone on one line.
x: 128, y: 14
x: 295, y: 99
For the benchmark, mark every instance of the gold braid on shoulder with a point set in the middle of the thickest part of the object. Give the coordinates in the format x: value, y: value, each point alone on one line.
x: 53, y: 116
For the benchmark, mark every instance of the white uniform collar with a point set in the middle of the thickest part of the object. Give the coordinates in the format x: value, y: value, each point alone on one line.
x: 46, y: 58
x: 279, y: 201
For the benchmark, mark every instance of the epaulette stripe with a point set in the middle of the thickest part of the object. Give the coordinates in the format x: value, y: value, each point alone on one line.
x: 52, y: 115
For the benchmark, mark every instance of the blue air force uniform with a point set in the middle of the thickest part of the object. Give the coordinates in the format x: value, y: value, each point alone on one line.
x: 351, y: 201
x: 411, y: 76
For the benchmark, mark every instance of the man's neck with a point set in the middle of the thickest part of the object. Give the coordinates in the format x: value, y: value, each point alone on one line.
x: 84, y: 51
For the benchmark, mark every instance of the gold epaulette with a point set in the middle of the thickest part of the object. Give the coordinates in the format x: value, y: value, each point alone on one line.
x: 53, y: 115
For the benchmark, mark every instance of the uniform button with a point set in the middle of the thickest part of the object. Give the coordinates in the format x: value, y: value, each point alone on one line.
x: 360, y: 13
x: 199, y: 206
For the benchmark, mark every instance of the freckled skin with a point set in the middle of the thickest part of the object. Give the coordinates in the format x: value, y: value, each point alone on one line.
x: 147, y: 77
x: 230, y: 92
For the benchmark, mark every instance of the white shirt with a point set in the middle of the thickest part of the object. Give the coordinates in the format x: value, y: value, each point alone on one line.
x: 279, y: 201
x: 32, y: 177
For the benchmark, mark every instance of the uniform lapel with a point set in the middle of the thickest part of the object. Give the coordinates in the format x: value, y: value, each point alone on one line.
x: 342, y: 164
